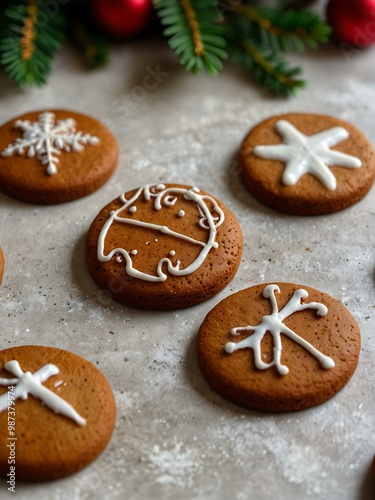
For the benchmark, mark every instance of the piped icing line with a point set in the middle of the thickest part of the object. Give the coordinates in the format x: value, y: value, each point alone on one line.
x: 308, y: 154
x: 46, y: 138
x: 157, y: 227
x: 273, y: 323
x: 31, y: 383
x: 166, y: 197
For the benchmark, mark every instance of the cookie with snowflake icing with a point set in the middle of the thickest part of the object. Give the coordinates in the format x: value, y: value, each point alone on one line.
x: 55, y: 156
x: 307, y: 164
x: 164, y: 247
x: 57, y: 413
x: 278, y: 347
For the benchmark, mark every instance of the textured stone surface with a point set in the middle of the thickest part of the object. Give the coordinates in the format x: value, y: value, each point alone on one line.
x: 174, y: 437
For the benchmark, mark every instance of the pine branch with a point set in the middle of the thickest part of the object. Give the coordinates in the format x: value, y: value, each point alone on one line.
x: 257, y: 35
x: 195, y: 35
x: 268, y: 69
x: 30, y: 38
x: 286, y: 30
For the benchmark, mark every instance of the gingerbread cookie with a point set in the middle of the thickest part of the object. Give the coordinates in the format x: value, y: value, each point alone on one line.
x: 307, y: 164
x: 55, y: 156
x: 1, y: 265
x: 278, y: 347
x: 164, y: 247
x: 57, y: 413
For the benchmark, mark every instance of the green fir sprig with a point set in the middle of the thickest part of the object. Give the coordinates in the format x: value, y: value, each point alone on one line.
x: 195, y: 34
x: 255, y: 37
x: 30, y: 38
x: 286, y: 30
x: 203, y: 34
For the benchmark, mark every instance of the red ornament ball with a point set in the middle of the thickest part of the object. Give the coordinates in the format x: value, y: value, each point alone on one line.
x: 353, y: 22
x: 122, y: 18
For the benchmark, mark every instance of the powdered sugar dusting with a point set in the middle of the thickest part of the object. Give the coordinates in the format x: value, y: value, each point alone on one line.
x: 173, y: 464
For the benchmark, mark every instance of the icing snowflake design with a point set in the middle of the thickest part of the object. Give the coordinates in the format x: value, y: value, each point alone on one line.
x: 27, y: 383
x: 46, y: 138
x: 273, y: 323
x: 308, y: 154
x: 211, y: 217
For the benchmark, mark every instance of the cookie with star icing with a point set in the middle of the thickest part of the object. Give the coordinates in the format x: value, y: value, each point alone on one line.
x: 164, y: 247
x: 307, y: 164
x: 57, y: 413
x: 278, y: 347
x: 55, y: 156
x: 1, y: 265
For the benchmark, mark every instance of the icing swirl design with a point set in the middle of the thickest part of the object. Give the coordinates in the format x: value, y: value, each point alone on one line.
x: 210, y: 218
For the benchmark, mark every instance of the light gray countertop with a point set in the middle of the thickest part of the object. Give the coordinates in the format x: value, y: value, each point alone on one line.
x: 174, y: 437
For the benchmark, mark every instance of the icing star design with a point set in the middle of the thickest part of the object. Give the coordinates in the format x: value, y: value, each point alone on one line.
x: 308, y: 154
x: 273, y: 323
x: 31, y: 383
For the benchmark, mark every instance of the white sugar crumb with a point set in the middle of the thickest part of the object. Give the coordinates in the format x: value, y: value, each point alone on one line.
x: 173, y: 465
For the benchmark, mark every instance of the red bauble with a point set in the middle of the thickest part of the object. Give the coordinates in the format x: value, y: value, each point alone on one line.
x: 122, y: 18
x: 353, y: 21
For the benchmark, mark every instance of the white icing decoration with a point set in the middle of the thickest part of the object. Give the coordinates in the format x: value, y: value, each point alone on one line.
x: 119, y: 258
x: 273, y: 323
x: 308, y: 154
x: 172, y: 253
x: 165, y: 197
x: 133, y: 209
x: 31, y: 383
x: 46, y: 138
x: 134, y: 252
x: 181, y: 213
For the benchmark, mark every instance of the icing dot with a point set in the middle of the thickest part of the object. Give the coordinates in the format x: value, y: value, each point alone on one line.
x: 327, y: 363
x: 160, y: 186
x: 283, y: 370
x: 133, y: 209
x: 172, y: 253
x: 134, y: 252
x: 196, y: 189
x: 215, y: 244
x: 119, y: 258
x: 181, y: 213
x: 230, y: 347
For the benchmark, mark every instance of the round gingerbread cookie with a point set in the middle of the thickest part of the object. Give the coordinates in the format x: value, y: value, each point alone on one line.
x: 1, y: 265
x: 164, y: 247
x: 57, y: 413
x: 278, y: 347
x: 55, y: 156
x: 307, y: 164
